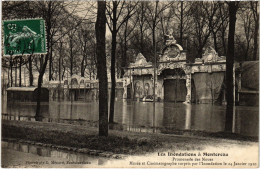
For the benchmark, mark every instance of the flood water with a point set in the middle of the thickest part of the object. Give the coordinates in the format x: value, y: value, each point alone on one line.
x: 138, y: 116
x: 16, y: 154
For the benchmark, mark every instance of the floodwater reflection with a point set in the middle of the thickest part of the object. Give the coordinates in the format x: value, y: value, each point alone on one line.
x: 138, y: 116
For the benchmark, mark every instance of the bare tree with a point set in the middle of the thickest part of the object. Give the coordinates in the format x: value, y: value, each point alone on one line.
x: 233, y: 7
x: 141, y: 10
x: 247, y: 20
x: 54, y: 14
x: 117, y: 16
x: 218, y: 25
x: 152, y: 16
x: 125, y: 35
x: 87, y: 48
x: 182, y: 15
x: 223, y: 14
x: 140, y: 42
x: 101, y: 67
x: 204, y: 16
x: 254, y: 8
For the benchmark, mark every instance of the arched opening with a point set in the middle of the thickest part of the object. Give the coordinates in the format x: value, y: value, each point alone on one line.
x: 128, y: 91
x: 82, y: 82
x: 74, y: 81
x: 174, y: 85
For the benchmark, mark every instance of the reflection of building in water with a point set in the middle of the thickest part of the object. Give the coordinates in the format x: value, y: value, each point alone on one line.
x: 177, y: 79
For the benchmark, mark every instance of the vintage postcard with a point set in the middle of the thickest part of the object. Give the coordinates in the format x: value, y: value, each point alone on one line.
x: 130, y: 84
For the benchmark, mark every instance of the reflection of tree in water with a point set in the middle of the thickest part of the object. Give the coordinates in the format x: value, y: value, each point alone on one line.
x: 169, y: 120
x: 177, y: 118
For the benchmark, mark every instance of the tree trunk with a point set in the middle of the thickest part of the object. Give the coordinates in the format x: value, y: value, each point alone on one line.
x: 200, y: 50
x: 82, y: 70
x: 84, y: 60
x: 15, y: 76
x: 20, y: 72
x: 100, y: 29
x: 60, y: 61
x: 141, y: 29
x: 113, y: 78
x: 8, y: 78
x: 256, y: 38
x: 153, y: 34
x: 71, y: 59
x: 246, y: 51
x: 215, y: 41
x: 142, y: 42
x: 11, y: 72
x: 44, y: 61
x: 124, y: 57
x: 202, y: 45
x: 50, y: 64
x: 181, y: 25
x: 30, y: 71
x: 113, y: 61
x: 224, y: 43
x: 38, y: 116
x: 229, y: 66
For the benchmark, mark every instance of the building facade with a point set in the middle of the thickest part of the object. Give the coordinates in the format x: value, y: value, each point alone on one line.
x: 77, y: 88
x: 176, y: 79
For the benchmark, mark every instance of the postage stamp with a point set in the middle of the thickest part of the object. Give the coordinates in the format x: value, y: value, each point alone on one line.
x: 24, y: 37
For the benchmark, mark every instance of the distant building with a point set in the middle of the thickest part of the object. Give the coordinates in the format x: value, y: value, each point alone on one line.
x: 77, y: 88
x: 26, y: 94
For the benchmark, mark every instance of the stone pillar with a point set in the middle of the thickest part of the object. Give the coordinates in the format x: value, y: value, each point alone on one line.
x: 125, y: 88
x: 132, y: 84
x: 159, y: 88
x: 188, y: 86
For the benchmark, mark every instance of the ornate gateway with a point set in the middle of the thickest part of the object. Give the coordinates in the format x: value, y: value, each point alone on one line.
x: 177, y: 80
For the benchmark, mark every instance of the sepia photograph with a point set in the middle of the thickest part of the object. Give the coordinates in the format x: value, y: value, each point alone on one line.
x: 129, y: 84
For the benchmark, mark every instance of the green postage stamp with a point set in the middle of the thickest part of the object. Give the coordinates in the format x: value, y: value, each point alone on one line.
x: 24, y: 37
